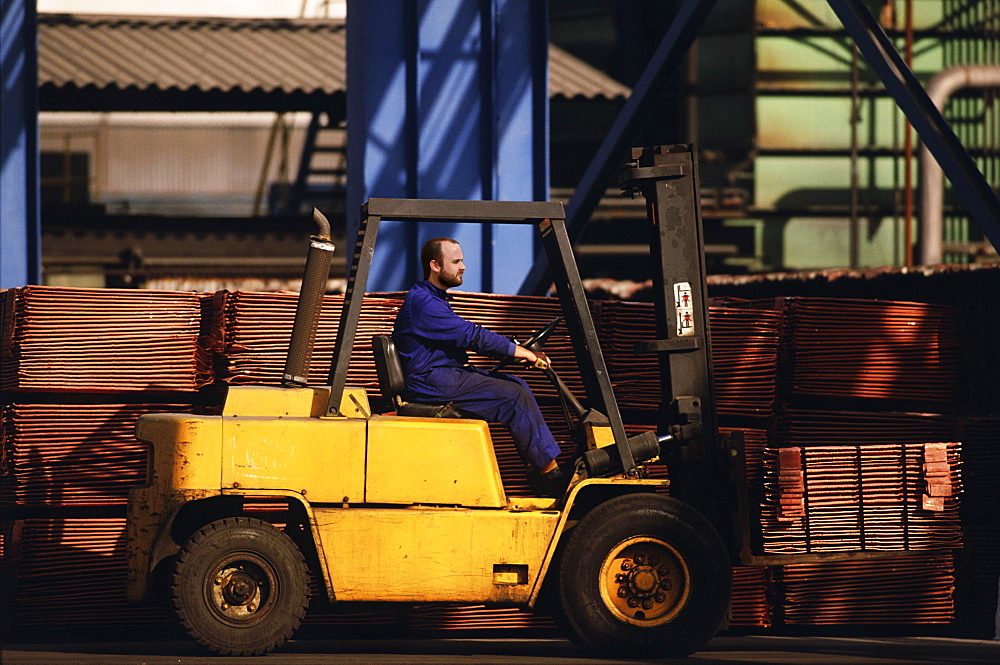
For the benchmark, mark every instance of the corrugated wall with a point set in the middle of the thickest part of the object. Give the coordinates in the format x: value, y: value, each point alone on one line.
x: 194, y: 164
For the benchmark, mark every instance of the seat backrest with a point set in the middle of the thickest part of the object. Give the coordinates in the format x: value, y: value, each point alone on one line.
x: 388, y: 367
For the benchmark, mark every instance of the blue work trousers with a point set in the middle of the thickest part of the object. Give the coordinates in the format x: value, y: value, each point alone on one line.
x: 498, y: 398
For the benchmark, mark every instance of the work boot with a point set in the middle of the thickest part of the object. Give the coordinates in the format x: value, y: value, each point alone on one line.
x: 551, y: 484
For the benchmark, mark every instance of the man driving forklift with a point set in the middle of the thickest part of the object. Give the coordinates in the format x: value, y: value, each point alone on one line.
x: 432, y: 342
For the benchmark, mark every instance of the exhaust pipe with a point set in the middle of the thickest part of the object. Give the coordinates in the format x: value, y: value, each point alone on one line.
x: 307, y: 311
x: 607, y: 460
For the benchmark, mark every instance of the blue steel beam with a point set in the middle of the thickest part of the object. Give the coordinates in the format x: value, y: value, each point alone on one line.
x: 20, y: 234
x: 612, y: 153
x: 448, y: 100
x: 966, y: 178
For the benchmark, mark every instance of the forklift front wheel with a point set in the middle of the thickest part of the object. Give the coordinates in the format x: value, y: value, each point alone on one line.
x: 644, y: 575
x: 240, y: 587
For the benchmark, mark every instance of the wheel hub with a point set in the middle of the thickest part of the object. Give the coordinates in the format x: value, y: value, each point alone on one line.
x: 242, y: 590
x: 239, y: 588
x: 645, y: 581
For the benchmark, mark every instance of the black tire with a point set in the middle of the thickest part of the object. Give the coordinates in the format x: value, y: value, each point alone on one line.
x: 240, y: 587
x: 644, y: 576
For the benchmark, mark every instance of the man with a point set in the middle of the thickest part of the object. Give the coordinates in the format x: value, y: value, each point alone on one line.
x: 432, y: 342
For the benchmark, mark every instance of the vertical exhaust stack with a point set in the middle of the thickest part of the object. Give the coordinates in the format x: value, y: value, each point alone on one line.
x: 310, y: 304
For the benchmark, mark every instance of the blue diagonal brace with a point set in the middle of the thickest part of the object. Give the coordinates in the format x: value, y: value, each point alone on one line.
x: 966, y: 178
x: 666, y: 60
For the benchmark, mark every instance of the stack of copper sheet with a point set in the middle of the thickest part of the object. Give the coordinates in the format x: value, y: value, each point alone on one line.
x: 78, y: 456
x: 72, y: 570
x: 872, y: 497
x: 72, y: 573
x: 802, y: 427
x: 251, y: 332
x: 360, y: 620
x: 875, y: 445
x: 754, y: 443
x: 72, y: 455
x: 635, y: 378
x: 870, y: 349
x: 744, y: 355
x: 100, y: 340
x: 903, y: 590
x: 745, y: 359
x: 750, y: 606
x: 475, y: 617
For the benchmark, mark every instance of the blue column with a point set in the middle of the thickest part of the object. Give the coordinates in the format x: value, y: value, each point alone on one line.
x: 20, y: 236
x: 448, y: 100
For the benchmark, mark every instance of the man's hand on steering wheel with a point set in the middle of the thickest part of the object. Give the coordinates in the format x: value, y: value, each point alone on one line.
x: 531, y: 350
x: 536, y: 358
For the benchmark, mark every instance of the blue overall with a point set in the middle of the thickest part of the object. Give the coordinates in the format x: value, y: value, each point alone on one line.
x: 432, y: 341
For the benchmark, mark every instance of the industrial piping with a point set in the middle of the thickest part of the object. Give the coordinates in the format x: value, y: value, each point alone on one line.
x: 940, y: 88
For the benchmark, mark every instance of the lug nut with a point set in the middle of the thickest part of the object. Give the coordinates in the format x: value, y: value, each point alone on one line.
x: 666, y: 585
x: 632, y: 602
x: 626, y: 565
x: 622, y: 592
x: 225, y: 606
x: 647, y: 604
x: 659, y: 597
x: 218, y: 580
x: 664, y: 570
x: 639, y: 558
x: 251, y: 608
x: 654, y: 560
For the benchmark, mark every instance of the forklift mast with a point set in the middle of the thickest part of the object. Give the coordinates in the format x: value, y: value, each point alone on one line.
x: 707, y: 469
x: 667, y: 177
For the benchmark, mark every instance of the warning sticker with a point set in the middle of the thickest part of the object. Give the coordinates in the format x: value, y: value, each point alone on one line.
x: 685, y: 309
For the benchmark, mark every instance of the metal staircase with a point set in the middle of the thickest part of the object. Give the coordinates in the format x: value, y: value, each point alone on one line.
x: 322, y: 173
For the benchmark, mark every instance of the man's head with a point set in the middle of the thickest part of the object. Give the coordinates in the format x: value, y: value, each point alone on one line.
x: 442, y: 262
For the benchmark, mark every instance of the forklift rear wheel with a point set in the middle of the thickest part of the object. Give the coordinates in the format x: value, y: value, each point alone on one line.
x: 240, y: 587
x: 644, y: 575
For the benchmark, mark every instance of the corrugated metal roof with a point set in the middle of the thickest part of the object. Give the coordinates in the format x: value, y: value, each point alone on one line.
x: 204, y: 54
x: 570, y: 77
x: 201, y: 54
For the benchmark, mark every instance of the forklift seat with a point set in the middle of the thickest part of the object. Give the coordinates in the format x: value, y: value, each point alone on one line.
x: 391, y: 382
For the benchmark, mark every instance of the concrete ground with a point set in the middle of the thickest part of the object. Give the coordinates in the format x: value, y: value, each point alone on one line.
x: 725, y: 650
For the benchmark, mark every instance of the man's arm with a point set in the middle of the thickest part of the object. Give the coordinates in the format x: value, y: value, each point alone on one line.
x: 437, y: 322
x: 434, y: 320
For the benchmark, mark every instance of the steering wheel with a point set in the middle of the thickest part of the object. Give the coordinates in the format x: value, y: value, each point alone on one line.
x: 534, y: 343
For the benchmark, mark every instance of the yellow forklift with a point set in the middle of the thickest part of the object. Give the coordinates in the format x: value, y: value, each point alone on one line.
x: 409, y: 507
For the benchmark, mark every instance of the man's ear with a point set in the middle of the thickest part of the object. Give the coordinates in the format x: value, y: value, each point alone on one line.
x: 434, y: 266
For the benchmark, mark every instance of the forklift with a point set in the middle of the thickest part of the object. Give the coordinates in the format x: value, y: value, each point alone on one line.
x: 408, y: 506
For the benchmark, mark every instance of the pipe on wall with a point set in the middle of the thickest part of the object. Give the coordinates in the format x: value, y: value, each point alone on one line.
x: 940, y: 88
